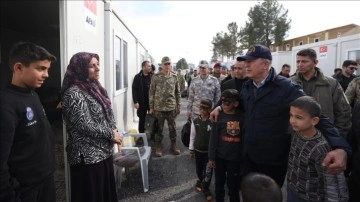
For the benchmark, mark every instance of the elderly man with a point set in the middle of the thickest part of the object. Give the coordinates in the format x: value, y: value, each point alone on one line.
x: 202, y: 87
x: 266, y: 97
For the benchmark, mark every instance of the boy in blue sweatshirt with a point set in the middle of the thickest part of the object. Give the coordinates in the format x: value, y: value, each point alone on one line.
x: 27, y: 158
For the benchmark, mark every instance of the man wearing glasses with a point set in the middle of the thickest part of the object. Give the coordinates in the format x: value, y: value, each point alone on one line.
x: 164, y: 101
x: 347, y: 75
x: 202, y: 87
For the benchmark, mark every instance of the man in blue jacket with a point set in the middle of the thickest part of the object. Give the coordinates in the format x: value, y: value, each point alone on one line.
x: 266, y: 97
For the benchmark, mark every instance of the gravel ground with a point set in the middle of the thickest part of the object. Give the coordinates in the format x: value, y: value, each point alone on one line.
x: 171, y: 178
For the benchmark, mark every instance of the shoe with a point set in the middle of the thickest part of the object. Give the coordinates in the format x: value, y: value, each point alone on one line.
x: 198, y: 186
x: 208, y: 195
x: 174, y: 148
x: 158, y: 152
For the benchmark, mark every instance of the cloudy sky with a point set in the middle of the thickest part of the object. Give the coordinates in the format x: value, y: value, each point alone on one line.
x: 185, y: 29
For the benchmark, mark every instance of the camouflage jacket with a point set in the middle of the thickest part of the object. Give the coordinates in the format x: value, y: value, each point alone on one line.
x: 181, y: 81
x: 353, y: 91
x: 200, y: 89
x: 164, y: 94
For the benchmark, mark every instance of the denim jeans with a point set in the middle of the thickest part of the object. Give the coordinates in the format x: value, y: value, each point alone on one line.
x: 292, y: 197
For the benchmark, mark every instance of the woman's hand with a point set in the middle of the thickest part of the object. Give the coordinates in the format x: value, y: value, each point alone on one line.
x: 117, y: 137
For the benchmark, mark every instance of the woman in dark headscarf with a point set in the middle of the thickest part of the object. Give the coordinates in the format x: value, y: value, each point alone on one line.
x: 91, y: 129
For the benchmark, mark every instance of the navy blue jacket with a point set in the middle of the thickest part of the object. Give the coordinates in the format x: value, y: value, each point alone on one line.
x: 267, y: 131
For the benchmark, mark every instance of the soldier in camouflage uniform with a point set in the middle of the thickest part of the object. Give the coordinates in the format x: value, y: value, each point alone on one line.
x: 202, y: 87
x: 164, y: 100
x: 181, y: 80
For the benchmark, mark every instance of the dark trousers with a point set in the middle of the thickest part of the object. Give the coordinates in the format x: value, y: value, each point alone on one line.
x: 201, y: 160
x: 292, y: 197
x: 276, y: 172
x: 42, y: 192
x: 354, y: 186
x: 141, y: 113
x: 229, y: 172
x: 93, y: 182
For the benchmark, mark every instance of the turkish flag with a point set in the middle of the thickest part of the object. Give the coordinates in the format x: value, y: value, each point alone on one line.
x: 323, y: 49
x: 91, y: 5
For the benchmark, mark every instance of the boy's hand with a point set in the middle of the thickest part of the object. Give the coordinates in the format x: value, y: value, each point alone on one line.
x: 335, y: 161
x: 211, y: 164
x: 192, y: 156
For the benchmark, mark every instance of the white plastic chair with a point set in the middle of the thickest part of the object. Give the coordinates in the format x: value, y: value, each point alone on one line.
x: 144, y: 161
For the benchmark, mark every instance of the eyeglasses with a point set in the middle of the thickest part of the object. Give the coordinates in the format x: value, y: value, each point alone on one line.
x: 353, y: 68
x: 168, y: 63
x: 226, y: 102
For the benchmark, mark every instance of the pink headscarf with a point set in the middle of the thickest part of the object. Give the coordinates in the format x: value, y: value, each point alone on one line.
x: 77, y: 75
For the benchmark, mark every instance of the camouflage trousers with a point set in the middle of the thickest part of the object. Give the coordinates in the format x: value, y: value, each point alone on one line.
x: 170, y: 117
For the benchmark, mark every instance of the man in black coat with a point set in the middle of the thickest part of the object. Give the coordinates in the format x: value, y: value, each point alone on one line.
x: 140, y: 93
x: 239, y: 77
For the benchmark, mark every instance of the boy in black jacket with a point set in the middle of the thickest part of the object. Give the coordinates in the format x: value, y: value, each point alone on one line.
x: 199, y: 142
x: 27, y: 160
x: 225, y: 146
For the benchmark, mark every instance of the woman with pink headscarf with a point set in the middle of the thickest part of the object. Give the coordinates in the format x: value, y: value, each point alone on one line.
x: 91, y: 131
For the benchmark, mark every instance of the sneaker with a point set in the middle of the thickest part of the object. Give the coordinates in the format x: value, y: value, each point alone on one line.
x: 198, y: 186
x: 208, y: 195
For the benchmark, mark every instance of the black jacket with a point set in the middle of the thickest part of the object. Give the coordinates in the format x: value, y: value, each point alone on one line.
x: 140, y: 89
x: 233, y: 83
x: 26, y: 141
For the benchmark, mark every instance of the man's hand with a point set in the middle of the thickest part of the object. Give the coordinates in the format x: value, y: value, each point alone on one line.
x: 335, y: 161
x: 214, y: 114
x: 136, y: 105
x: 152, y: 111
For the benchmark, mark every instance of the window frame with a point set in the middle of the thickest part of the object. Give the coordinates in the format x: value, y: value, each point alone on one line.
x: 122, y: 59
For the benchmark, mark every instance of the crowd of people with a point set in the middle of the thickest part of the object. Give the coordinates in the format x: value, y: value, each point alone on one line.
x: 252, y: 128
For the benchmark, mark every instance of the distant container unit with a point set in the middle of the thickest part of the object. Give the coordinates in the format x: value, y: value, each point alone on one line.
x: 330, y: 54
